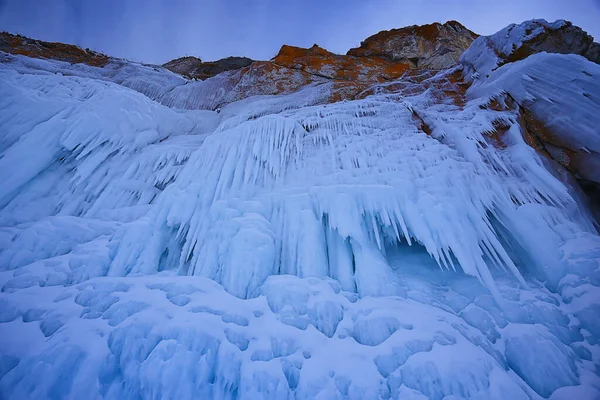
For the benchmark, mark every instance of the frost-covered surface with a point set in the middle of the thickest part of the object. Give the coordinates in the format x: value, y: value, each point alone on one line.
x: 185, y: 337
x: 172, y: 90
x: 151, y: 80
x: 488, y: 52
x: 563, y: 93
x: 278, y: 249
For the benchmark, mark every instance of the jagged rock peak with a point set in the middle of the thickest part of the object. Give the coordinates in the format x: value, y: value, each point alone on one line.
x: 194, y: 68
x: 432, y: 46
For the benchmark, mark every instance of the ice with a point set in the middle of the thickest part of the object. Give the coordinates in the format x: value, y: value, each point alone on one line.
x: 167, y: 337
x: 577, y: 99
x: 281, y: 248
x: 557, y: 370
x: 156, y: 346
x: 489, y: 52
x: 174, y: 91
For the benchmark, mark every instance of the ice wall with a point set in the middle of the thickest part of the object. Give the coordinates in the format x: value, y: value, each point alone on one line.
x: 281, y: 249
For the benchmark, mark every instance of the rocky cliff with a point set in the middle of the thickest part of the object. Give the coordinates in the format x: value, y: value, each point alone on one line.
x: 382, y: 57
x: 434, y: 46
x: 555, y: 115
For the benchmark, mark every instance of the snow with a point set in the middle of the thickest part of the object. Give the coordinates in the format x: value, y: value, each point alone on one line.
x: 514, y: 35
x: 174, y: 91
x: 283, y: 249
x: 138, y: 330
x: 562, y: 92
x: 487, y: 53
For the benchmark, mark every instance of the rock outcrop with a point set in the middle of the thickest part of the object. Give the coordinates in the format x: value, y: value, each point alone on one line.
x: 540, y: 36
x: 319, y: 61
x: 194, y: 68
x: 383, y: 58
x: 350, y: 75
x: 434, y: 46
x: 519, y: 41
x: 17, y: 44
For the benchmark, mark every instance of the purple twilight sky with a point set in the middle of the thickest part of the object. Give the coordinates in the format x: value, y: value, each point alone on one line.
x: 156, y: 31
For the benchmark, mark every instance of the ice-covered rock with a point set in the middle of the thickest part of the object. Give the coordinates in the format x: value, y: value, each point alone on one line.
x: 409, y: 243
x: 557, y: 95
x: 519, y: 41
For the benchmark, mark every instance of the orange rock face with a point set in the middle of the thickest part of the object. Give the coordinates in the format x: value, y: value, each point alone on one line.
x: 16, y: 44
x: 267, y: 78
x: 321, y: 62
x: 350, y: 75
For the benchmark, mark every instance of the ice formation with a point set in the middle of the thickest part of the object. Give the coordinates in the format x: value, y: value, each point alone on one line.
x: 283, y: 248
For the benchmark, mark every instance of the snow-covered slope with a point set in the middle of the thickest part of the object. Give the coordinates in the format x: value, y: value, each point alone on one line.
x: 403, y: 245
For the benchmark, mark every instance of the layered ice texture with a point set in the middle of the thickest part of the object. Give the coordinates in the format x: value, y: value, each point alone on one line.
x: 153, y: 248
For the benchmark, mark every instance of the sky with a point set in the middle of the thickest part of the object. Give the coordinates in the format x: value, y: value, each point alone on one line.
x: 156, y: 31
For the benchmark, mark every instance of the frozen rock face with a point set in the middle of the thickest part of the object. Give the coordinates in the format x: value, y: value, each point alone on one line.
x: 519, y: 41
x: 194, y: 68
x: 561, y: 124
x: 409, y: 242
x: 435, y: 46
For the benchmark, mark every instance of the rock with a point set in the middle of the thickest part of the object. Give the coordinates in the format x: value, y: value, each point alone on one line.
x: 593, y: 53
x: 319, y: 61
x: 267, y: 78
x: 194, y: 68
x: 17, y: 44
x: 350, y: 75
x: 553, y: 122
x: 434, y: 46
x: 183, y: 65
x: 517, y: 42
x: 559, y: 37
